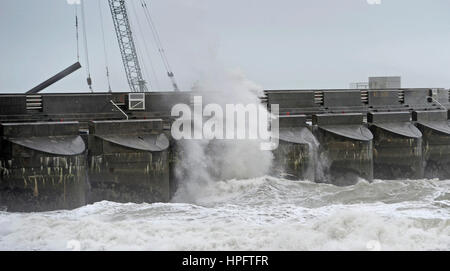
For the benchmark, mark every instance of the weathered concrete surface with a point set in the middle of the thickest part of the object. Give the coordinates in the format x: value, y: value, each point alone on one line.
x: 174, y: 155
x: 345, y: 151
x: 85, y: 107
x: 128, y: 161
x: 295, y: 156
x: 435, y: 128
x: 293, y: 160
x: 397, y: 146
x: 42, y: 167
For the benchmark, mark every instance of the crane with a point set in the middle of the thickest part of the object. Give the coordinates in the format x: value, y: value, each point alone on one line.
x: 127, y: 46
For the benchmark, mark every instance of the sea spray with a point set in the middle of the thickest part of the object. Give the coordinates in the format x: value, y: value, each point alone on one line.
x: 314, y: 168
x: 204, y: 161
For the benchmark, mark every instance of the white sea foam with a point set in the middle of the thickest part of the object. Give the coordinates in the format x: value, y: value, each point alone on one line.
x: 256, y: 214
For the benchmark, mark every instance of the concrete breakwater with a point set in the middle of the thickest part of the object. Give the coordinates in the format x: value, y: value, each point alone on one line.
x: 62, y: 151
x: 48, y: 166
x: 382, y: 134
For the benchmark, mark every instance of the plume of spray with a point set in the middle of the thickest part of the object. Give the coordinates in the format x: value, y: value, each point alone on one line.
x: 203, y: 163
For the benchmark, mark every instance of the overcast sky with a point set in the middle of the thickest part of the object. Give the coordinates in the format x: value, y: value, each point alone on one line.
x: 277, y: 44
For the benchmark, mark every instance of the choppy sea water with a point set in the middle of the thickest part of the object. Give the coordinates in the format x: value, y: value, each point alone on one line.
x: 257, y: 214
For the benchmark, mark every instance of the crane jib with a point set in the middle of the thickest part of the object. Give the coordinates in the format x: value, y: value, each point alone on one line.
x: 127, y: 46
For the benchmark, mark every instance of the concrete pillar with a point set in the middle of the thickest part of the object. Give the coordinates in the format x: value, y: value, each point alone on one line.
x: 345, y: 151
x: 128, y: 161
x: 435, y: 128
x: 295, y: 156
x: 397, y: 146
x: 42, y: 166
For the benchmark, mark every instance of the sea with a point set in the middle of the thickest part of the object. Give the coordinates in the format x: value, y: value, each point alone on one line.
x: 264, y: 213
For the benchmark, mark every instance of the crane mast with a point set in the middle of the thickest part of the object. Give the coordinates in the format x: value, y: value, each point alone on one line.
x: 127, y: 46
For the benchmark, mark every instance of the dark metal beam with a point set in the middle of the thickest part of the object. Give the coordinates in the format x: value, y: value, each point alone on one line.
x: 55, y: 78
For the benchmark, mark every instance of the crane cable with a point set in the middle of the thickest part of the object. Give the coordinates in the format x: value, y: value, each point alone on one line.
x: 159, y: 44
x: 146, y: 50
x: 138, y: 49
x: 77, y: 33
x: 83, y: 18
x: 104, y: 45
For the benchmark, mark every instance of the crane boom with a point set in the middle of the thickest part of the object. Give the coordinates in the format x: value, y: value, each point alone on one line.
x: 127, y: 46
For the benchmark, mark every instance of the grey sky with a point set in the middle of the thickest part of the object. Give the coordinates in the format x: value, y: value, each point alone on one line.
x: 277, y: 44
